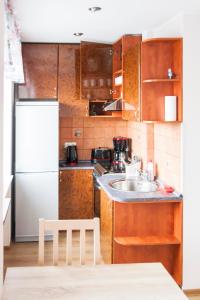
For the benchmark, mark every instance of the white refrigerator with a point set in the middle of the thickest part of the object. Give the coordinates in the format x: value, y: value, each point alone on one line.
x: 36, y: 166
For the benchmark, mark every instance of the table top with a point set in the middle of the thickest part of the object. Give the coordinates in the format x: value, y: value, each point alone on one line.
x: 149, y: 281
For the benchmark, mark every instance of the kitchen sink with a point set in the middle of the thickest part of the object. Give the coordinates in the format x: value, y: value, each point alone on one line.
x: 129, y: 185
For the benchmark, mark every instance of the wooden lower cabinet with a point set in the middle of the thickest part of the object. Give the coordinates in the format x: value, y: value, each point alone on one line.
x: 76, y: 194
x: 106, y: 211
x: 138, y: 232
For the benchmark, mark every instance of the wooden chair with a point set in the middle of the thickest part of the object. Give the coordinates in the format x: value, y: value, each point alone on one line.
x: 69, y: 226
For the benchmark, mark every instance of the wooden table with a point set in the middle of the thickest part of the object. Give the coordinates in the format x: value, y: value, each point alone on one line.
x: 106, y: 282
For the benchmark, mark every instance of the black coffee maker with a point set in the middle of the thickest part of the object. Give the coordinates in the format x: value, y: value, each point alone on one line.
x: 121, y: 153
x: 71, y: 153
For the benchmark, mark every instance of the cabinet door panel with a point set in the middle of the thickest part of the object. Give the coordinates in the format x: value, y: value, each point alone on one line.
x: 76, y: 194
x: 69, y: 73
x: 96, y: 71
x: 131, y: 77
x: 106, y: 219
x: 40, y: 70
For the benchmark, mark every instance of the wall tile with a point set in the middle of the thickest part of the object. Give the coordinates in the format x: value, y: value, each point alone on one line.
x: 65, y: 133
x: 77, y: 122
x: 89, y: 122
x: 65, y: 122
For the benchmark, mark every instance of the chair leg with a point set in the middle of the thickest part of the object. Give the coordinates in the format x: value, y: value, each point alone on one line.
x: 96, y: 241
x: 41, y: 242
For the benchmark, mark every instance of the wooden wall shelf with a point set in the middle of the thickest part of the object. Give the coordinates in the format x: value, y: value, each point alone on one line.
x: 113, y: 114
x: 147, y: 240
x: 118, y: 72
x: 157, y: 56
x: 162, y: 39
x: 160, y: 80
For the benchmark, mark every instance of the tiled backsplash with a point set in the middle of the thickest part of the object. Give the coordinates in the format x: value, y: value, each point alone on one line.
x: 90, y: 133
x: 159, y: 142
x: 142, y: 135
x: 167, y: 153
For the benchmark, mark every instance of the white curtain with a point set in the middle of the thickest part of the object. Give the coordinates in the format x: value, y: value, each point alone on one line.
x: 13, y: 53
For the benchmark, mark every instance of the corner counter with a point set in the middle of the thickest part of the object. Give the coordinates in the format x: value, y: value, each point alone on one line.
x: 131, y: 196
x: 141, y: 227
x: 81, y: 165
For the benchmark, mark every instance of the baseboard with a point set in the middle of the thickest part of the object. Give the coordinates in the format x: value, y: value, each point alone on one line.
x: 194, y: 292
x: 31, y: 238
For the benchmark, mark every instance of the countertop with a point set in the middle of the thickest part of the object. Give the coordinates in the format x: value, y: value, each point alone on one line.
x: 126, y: 196
x: 81, y: 165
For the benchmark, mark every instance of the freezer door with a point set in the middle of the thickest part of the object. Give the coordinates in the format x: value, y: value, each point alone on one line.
x: 36, y: 138
x: 36, y: 196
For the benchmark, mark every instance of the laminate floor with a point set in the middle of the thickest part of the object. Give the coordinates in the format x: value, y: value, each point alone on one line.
x: 26, y: 254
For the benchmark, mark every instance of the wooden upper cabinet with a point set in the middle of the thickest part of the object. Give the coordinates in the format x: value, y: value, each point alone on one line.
x: 40, y: 70
x: 126, y: 75
x: 157, y: 56
x: 131, y: 77
x: 96, y: 71
x: 69, y: 73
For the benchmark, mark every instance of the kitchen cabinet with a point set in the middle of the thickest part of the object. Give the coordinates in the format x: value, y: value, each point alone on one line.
x: 157, y: 56
x: 96, y: 71
x: 40, y: 69
x: 138, y: 232
x: 111, y: 72
x: 69, y: 73
x: 126, y: 75
x: 76, y: 194
x: 106, y: 219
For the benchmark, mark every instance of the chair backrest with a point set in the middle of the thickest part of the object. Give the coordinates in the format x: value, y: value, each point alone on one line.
x: 69, y: 226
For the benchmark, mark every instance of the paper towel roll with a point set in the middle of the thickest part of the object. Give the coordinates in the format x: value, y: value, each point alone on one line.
x: 170, y: 108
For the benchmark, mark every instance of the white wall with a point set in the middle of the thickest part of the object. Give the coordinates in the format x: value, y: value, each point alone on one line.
x: 171, y: 28
x: 188, y: 26
x: 8, y: 135
x: 1, y: 140
x: 191, y: 152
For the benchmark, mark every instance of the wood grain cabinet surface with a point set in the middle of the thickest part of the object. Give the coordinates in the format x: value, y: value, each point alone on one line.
x: 138, y: 232
x: 76, y: 194
x: 96, y: 71
x: 40, y: 63
x: 106, y: 220
x: 157, y: 56
x: 126, y: 75
x: 69, y: 73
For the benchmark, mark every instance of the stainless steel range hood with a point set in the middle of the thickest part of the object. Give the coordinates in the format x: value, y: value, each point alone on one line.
x: 117, y: 106
x: 114, y: 106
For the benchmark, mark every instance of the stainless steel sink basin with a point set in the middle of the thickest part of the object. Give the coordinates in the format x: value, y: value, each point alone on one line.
x: 129, y: 185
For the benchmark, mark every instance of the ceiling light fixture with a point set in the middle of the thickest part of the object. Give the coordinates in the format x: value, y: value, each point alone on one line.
x: 78, y: 33
x: 94, y: 9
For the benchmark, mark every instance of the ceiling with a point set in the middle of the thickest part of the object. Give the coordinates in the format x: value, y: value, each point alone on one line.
x: 57, y: 20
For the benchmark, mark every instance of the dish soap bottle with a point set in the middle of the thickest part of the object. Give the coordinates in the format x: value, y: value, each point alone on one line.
x: 150, y: 170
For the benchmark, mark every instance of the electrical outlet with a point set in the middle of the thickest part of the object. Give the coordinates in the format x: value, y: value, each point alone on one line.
x: 77, y: 133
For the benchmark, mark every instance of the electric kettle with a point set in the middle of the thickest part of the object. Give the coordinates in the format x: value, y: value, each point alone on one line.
x: 71, y: 154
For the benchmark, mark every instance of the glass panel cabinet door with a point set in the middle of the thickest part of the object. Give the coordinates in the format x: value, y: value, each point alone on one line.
x: 96, y: 71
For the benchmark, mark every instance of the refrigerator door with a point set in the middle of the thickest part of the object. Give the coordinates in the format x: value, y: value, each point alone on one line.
x: 36, y: 136
x: 36, y: 197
